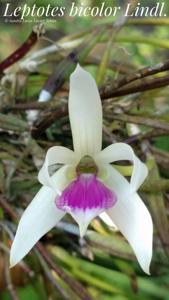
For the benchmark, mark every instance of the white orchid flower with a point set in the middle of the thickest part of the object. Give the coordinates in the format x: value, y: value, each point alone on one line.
x: 87, y: 185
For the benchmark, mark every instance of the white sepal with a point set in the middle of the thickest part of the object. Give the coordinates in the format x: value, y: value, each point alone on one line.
x: 40, y: 216
x: 85, y: 113
x: 131, y: 217
x: 122, y: 151
x: 55, y: 155
x: 108, y: 221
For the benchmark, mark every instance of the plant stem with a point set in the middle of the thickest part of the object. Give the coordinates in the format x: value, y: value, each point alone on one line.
x: 23, y: 49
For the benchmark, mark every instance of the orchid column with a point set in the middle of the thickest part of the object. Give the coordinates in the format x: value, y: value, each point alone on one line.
x: 87, y: 185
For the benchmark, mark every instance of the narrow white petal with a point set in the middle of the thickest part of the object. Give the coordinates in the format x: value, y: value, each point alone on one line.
x: 107, y: 220
x: 85, y: 113
x: 55, y: 155
x: 132, y: 218
x: 40, y: 216
x: 121, y: 151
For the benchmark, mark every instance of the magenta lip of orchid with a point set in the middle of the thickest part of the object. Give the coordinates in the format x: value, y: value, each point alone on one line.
x: 85, y: 197
x: 87, y: 185
x: 86, y: 192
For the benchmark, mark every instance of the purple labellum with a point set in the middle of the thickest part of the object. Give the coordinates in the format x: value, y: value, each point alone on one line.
x: 86, y: 192
x: 85, y: 198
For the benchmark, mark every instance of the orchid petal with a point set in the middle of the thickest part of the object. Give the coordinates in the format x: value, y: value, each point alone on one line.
x: 85, y: 113
x: 131, y: 217
x: 55, y: 155
x: 121, y: 151
x: 40, y: 216
x: 107, y: 220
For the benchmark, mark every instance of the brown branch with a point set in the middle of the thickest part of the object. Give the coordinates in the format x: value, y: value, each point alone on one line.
x: 115, y: 90
x: 146, y: 135
x: 62, y: 111
x: 151, y: 122
x: 51, y: 278
x: 49, y: 119
x: 139, y: 74
x: 151, y: 84
x: 9, y: 285
x: 23, y: 49
x: 26, y: 106
x: 7, y: 208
